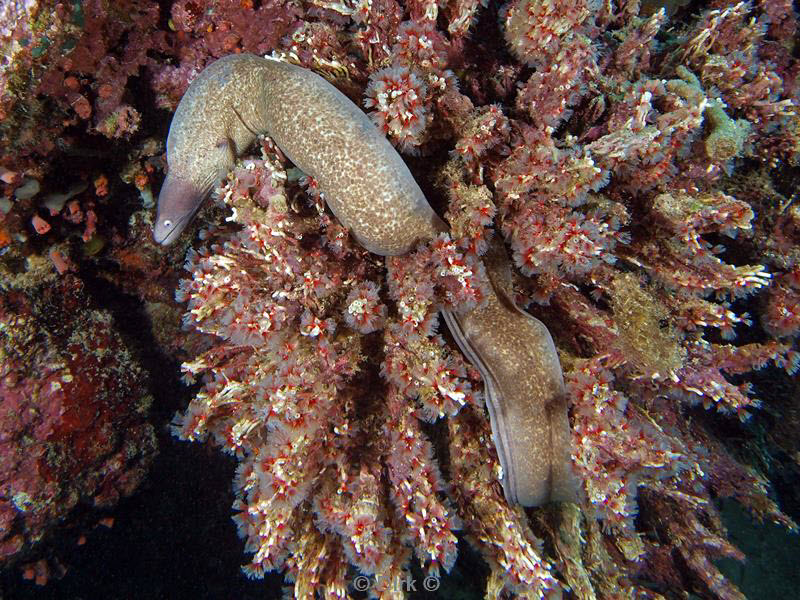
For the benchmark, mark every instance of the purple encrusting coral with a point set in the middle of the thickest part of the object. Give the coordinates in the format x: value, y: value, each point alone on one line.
x: 637, y: 164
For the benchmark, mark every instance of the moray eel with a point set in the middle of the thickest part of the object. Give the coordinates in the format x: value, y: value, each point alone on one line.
x: 371, y: 191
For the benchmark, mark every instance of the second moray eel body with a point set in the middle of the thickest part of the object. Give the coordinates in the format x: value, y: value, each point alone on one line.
x: 371, y: 191
x: 524, y: 390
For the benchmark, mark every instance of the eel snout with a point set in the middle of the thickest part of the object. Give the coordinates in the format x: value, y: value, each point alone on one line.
x: 178, y: 200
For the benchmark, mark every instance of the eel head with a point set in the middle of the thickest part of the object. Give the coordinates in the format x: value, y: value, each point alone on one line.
x: 178, y: 201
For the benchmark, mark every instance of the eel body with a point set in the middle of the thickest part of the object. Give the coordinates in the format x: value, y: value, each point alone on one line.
x: 366, y: 184
x: 524, y: 390
x: 371, y: 191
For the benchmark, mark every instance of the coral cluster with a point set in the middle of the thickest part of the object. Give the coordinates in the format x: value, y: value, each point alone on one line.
x: 608, y: 173
x: 315, y: 444
x: 638, y: 161
x: 71, y: 63
x: 74, y: 405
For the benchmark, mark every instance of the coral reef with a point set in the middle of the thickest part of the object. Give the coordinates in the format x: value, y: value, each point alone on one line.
x: 71, y: 62
x: 638, y: 161
x: 73, y: 411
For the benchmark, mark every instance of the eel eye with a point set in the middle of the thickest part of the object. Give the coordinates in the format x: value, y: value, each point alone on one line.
x: 167, y: 223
